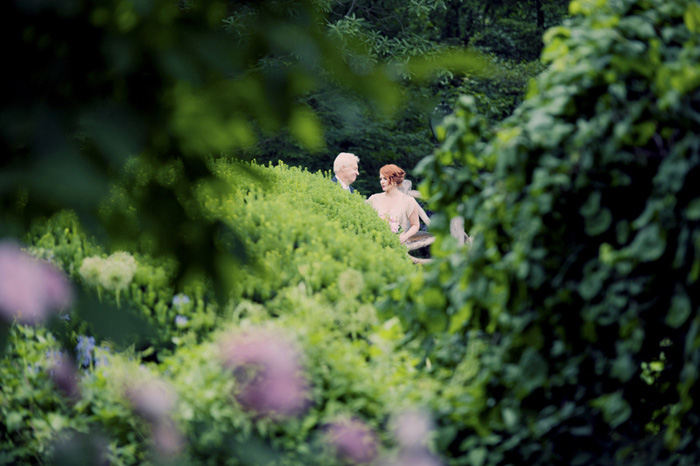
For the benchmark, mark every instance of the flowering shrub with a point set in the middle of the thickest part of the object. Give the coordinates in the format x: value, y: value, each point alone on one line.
x: 47, y: 404
x: 297, y: 346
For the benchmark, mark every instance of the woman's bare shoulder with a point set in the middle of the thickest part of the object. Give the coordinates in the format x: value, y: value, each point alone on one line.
x: 373, y: 198
x: 412, y: 200
x: 411, y: 203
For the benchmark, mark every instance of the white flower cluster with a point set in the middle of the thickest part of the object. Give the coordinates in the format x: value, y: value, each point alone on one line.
x: 351, y: 282
x: 114, y: 273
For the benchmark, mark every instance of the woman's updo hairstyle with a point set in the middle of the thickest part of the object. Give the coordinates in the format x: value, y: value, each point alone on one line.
x: 393, y: 174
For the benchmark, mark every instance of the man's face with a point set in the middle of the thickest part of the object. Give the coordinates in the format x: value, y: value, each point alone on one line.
x: 348, y: 174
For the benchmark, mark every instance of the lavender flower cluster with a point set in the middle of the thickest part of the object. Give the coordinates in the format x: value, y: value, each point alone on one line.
x: 62, y: 371
x: 352, y: 440
x: 30, y: 289
x: 267, y: 367
x: 155, y: 400
x: 88, y: 354
x: 271, y: 383
x: 181, y: 301
x: 355, y: 442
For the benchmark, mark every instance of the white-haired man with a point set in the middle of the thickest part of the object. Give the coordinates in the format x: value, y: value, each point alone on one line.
x: 345, y: 168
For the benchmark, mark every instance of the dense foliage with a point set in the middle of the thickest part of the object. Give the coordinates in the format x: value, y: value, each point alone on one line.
x: 228, y: 313
x: 403, y: 33
x: 582, y: 277
x: 94, y: 84
x: 321, y: 256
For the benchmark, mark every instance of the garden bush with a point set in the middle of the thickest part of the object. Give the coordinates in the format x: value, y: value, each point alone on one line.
x: 191, y: 391
x: 582, y: 276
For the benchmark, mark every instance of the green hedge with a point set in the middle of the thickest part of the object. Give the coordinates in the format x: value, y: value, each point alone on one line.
x: 318, y: 260
x: 582, y: 277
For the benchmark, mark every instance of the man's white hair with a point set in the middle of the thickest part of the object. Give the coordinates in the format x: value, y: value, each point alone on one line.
x: 343, y: 160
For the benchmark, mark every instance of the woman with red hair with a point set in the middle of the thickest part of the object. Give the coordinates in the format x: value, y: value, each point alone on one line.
x: 397, y: 208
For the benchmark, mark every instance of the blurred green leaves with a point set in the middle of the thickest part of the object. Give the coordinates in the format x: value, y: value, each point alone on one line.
x: 615, y: 408
x: 691, y: 17
x: 583, y: 208
x: 96, y: 86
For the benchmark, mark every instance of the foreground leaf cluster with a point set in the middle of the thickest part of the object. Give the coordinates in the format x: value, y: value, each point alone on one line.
x: 583, y: 208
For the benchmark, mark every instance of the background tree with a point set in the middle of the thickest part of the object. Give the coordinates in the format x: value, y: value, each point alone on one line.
x: 401, y: 33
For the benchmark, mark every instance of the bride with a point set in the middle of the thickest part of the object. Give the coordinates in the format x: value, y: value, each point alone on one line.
x: 397, y: 208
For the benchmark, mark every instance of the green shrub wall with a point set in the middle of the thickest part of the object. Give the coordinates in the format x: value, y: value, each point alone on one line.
x: 318, y: 260
x: 583, y: 273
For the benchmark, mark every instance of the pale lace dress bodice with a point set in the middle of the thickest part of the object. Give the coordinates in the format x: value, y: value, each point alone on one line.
x: 395, y: 210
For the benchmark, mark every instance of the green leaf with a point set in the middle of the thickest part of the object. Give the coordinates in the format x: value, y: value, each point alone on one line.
x: 533, y: 371
x: 692, y: 212
x: 598, y: 223
x: 623, y: 368
x: 459, y: 319
x: 477, y: 456
x: 648, y: 245
x: 681, y: 308
x: 4, y: 336
x: 691, y: 17
x: 306, y: 128
x: 510, y: 417
x: 13, y: 420
x: 614, y: 407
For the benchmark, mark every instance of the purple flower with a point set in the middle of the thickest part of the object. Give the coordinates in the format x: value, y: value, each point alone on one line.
x: 269, y: 375
x: 180, y: 300
x: 180, y: 321
x: 352, y: 441
x: 167, y: 438
x: 412, y: 430
x: 152, y: 399
x: 30, y: 288
x: 63, y: 372
x: 84, y: 350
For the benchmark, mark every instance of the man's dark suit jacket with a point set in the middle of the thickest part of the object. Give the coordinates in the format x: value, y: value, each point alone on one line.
x: 335, y: 180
